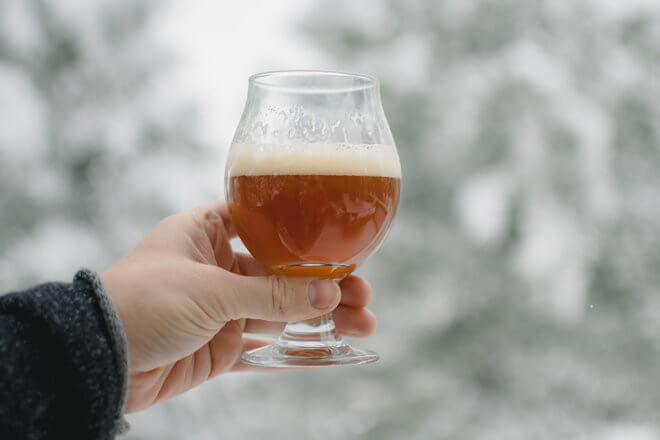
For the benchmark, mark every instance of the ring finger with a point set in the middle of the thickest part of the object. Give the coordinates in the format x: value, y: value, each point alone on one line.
x: 350, y: 321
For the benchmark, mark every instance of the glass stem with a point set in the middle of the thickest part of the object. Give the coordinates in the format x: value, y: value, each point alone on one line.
x: 311, y: 334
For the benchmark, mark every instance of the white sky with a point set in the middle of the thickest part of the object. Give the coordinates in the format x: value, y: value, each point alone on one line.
x: 220, y: 43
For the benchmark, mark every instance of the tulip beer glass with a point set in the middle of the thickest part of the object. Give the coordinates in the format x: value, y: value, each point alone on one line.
x: 313, y: 182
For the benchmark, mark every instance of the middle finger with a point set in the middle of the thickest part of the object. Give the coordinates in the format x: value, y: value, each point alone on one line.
x: 349, y: 321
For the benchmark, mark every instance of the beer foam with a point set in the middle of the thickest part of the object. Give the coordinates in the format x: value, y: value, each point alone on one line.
x: 316, y: 159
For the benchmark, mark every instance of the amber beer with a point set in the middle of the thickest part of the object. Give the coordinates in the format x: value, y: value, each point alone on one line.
x: 317, y: 215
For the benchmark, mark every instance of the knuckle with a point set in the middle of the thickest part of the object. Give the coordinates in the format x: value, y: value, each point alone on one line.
x: 282, y: 295
x: 229, y: 302
x: 168, y: 223
x: 221, y: 296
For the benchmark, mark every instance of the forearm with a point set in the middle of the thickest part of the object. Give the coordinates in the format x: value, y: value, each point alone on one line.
x: 63, y: 363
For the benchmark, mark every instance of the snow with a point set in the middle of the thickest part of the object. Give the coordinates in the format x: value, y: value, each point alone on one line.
x: 22, y: 137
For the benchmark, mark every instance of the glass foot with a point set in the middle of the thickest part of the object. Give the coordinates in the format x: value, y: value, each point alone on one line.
x: 311, y: 343
x: 277, y: 355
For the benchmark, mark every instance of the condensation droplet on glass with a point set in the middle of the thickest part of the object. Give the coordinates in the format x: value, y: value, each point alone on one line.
x: 306, y: 134
x: 357, y: 118
x: 260, y: 129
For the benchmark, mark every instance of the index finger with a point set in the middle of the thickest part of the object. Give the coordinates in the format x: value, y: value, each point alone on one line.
x: 214, y: 214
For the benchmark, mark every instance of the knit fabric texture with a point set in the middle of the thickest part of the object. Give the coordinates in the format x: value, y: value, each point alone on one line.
x: 63, y: 362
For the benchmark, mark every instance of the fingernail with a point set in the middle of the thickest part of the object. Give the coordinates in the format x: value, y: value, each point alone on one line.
x: 322, y: 293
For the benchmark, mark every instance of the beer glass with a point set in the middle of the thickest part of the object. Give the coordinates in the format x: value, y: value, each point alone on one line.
x: 313, y: 182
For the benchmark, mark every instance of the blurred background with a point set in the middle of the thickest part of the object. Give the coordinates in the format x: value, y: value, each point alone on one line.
x: 518, y: 294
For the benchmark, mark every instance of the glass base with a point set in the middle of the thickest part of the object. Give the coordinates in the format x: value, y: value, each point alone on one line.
x: 275, y: 355
x: 311, y: 343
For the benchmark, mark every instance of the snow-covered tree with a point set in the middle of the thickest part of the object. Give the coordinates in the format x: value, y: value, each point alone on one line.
x: 520, y: 285
x: 94, y: 147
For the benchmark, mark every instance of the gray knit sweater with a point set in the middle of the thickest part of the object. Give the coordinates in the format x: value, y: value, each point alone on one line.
x: 63, y: 362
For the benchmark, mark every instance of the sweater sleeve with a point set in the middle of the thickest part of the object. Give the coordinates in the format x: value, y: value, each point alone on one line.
x: 63, y: 362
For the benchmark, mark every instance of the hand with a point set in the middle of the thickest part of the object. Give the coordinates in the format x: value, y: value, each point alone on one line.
x: 186, y: 300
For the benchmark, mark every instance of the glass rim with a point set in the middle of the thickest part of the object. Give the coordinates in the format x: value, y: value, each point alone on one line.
x: 364, y: 82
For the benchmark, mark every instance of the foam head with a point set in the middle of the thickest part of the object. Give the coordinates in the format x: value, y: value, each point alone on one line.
x: 313, y: 159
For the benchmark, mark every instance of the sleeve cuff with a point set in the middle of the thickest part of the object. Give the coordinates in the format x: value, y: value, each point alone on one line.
x: 117, y: 339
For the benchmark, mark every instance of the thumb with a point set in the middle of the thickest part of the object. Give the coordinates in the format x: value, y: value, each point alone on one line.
x: 278, y: 298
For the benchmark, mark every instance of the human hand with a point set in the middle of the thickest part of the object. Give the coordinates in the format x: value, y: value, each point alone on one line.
x: 186, y: 300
